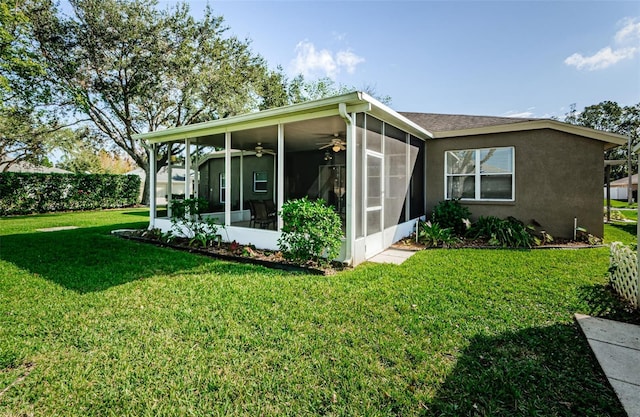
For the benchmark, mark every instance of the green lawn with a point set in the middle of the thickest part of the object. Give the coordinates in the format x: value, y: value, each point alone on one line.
x: 621, y: 204
x: 91, y: 325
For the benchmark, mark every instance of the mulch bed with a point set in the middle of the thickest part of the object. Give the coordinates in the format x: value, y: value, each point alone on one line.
x: 410, y: 243
x: 234, y: 252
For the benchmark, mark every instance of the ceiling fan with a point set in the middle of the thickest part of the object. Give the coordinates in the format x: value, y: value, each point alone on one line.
x: 336, y: 143
x: 260, y: 150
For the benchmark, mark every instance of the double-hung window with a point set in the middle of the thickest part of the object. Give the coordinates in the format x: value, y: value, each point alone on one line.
x: 480, y: 174
x: 259, y: 182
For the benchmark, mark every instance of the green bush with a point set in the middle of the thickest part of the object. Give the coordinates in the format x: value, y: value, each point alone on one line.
x: 187, y: 221
x: 432, y: 235
x: 25, y: 193
x: 312, y: 231
x: 508, y: 233
x: 451, y: 214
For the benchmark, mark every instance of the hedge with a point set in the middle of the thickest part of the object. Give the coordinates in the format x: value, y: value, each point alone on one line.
x: 25, y: 193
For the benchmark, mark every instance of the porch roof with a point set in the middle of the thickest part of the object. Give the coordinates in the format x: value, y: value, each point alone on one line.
x: 328, y: 107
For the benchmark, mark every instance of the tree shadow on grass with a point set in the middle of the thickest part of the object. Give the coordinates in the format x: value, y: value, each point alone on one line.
x: 630, y: 228
x: 604, y: 302
x: 90, y: 259
x: 546, y: 371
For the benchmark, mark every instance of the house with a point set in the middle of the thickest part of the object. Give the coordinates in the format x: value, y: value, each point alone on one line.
x: 383, y: 170
x: 23, y: 166
x: 175, y: 187
x: 620, y: 188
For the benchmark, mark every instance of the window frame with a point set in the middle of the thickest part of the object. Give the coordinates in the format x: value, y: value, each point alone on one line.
x: 478, y: 175
x: 223, y: 187
x: 256, y: 181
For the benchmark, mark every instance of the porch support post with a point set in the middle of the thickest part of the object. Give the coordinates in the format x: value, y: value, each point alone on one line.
x: 280, y: 177
x: 227, y: 178
x: 187, y: 169
x: 350, y: 232
x: 169, y: 189
x: 196, y: 172
x: 152, y: 185
x: 241, y: 180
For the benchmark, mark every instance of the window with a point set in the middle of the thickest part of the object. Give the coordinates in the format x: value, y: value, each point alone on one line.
x: 223, y: 188
x: 259, y: 182
x: 480, y: 174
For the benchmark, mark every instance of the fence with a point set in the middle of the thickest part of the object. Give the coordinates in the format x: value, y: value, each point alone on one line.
x: 623, y: 273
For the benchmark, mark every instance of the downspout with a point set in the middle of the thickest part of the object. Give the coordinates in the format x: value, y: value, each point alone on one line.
x: 350, y: 229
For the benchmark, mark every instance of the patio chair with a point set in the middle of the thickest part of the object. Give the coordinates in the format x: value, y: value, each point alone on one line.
x: 271, y: 207
x: 262, y: 218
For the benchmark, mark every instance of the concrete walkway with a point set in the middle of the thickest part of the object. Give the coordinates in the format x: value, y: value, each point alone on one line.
x: 616, y: 345
x: 392, y: 256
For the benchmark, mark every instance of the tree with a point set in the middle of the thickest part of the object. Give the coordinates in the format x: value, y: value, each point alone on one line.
x: 277, y: 90
x: 609, y: 116
x: 27, y: 132
x: 132, y: 68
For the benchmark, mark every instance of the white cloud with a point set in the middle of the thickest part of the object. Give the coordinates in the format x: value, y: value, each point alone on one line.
x: 627, y: 45
x: 630, y: 32
x: 348, y: 60
x: 523, y: 114
x: 600, y: 60
x: 312, y: 62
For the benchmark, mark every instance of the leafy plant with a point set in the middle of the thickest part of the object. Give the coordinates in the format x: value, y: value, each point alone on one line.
x: 433, y: 235
x: 187, y: 221
x: 508, y: 233
x: 582, y: 235
x: 25, y: 193
x: 452, y: 214
x: 312, y: 231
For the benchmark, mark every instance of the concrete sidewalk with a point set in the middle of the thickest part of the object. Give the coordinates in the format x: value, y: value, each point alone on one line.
x: 392, y: 256
x: 616, y: 345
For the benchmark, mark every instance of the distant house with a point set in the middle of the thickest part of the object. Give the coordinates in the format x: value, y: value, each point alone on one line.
x: 383, y: 170
x: 620, y: 188
x: 29, y: 167
x: 163, y: 186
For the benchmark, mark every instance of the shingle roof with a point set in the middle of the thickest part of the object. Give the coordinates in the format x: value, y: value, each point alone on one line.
x: 29, y: 167
x: 434, y: 122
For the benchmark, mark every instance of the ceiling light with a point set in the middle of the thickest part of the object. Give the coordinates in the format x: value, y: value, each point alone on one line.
x: 336, y: 148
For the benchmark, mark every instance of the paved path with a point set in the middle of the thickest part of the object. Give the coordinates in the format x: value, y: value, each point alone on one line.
x: 392, y: 256
x: 616, y: 345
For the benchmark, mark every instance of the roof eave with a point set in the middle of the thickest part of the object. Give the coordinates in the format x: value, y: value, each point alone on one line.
x: 611, y: 139
x: 356, y: 102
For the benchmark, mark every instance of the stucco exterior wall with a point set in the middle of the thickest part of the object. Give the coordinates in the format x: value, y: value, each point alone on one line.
x: 558, y: 177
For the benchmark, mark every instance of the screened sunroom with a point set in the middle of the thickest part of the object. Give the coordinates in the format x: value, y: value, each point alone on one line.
x: 360, y: 157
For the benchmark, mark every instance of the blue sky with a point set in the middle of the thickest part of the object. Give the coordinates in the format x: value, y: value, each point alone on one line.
x: 490, y: 58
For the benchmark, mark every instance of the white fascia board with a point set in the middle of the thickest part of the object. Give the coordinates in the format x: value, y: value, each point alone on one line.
x: 611, y: 138
x: 389, y: 115
x: 286, y: 114
x: 356, y: 102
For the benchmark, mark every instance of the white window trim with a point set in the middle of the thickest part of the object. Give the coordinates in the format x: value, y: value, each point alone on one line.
x: 221, y: 180
x: 255, y: 181
x: 478, y: 175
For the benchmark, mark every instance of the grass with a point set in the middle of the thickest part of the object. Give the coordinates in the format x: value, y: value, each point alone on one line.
x: 94, y: 325
x: 621, y: 204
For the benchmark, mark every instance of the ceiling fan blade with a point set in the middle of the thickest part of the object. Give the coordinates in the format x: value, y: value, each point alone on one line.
x: 327, y: 145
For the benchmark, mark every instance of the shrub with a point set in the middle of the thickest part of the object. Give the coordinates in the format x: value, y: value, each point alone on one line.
x: 452, y: 214
x: 509, y: 232
x: 432, y: 235
x: 25, y: 193
x: 187, y: 221
x: 312, y: 231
